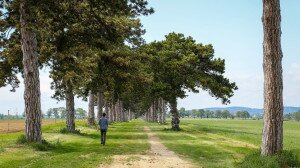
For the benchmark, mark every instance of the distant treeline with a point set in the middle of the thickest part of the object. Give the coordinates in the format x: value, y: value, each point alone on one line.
x: 201, y: 113
x: 59, y: 112
x: 293, y: 116
x: 10, y: 117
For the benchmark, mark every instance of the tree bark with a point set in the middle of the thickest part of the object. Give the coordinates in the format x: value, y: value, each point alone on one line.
x: 118, y: 111
x: 175, y: 116
x: 32, y: 95
x: 154, y: 111
x: 164, y: 111
x: 151, y: 113
x: 159, y: 110
x: 114, y: 112
x: 70, y: 117
x: 122, y: 113
x: 100, y: 105
x: 272, y: 139
x: 91, y: 114
x: 107, y: 109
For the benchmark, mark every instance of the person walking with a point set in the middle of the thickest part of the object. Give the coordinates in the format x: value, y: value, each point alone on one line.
x: 103, y: 123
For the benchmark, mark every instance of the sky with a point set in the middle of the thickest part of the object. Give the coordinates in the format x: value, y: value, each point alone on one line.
x: 235, y: 30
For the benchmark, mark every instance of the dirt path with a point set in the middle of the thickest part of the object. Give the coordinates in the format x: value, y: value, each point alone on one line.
x: 158, y: 157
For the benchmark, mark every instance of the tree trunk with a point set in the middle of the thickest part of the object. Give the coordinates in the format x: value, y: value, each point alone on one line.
x: 164, y: 111
x: 100, y: 105
x: 175, y: 117
x: 155, y: 111
x: 114, y: 112
x: 32, y: 94
x: 122, y: 112
x: 147, y: 115
x: 91, y: 114
x: 118, y: 110
x: 107, y: 109
x: 111, y: 113
x: 129, y: 115
x: 70, y: 117
x: 159, y: 110
x: 151, y: 113
x: 272, y: 139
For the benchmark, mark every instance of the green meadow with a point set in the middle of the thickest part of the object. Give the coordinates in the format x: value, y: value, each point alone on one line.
x: 221, y: 142
x: 74, y: 150
x: 206, y: 142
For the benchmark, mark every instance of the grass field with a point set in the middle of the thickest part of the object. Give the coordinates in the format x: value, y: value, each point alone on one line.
x: 74, y: 150
x: 206, y: 142
x: 19, y: 125
x: 220, y: 142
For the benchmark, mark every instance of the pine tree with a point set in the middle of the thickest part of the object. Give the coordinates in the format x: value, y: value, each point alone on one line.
x: 272, y: 139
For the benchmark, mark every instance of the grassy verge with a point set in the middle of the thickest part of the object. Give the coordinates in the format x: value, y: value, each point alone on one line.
x: 221, y: 143
x: 284, y: 159
x: 75, y: 150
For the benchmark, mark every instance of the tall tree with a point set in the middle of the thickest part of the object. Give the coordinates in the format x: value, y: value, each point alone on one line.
x: 62, y: 112
x: 99, y: 105
x: 49, y: 113
x: 32, y: 93
x: 180, y: 64
x: 91, y: 113
x: 70, y: 107
x: 272, y: 139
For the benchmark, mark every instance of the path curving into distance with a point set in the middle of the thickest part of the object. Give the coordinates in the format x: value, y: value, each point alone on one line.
x: 157, y: 157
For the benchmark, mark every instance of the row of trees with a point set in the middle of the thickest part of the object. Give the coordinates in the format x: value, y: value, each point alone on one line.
x: 95, y: 46
x: 157, y: 112
x: 201, y: 113
x: 89, y: 47
x: 61, y: 112
x: 9, y: 117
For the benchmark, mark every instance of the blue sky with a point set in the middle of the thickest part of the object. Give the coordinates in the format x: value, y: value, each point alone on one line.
x: 233, y: 27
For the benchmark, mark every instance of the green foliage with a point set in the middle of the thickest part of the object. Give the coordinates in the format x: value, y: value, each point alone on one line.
x: 21, y: 139
x: 284, y: 159
x: 242, y: 114
x: 76, y: 50
x: 180, y: 64
x: 56, y: 112
x: 226, y: 114
x: 84, y: 54
x: 292, y: 116
x: 62, y: 112
x: 182, y: 112
x: 296, y: 116
x: 288, y: 116
x: 201, y: 113
x: 2, y: 149
x: 80, y: 113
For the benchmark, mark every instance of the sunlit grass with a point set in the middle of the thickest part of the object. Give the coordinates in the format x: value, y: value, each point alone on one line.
x: 206, y: 142
x: 82, y: 150
x: 220, y: 142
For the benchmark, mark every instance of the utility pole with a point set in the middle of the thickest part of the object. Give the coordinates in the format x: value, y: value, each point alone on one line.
x: 8, y: 121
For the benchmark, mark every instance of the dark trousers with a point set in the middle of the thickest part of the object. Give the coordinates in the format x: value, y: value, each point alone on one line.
x: 103, y: 136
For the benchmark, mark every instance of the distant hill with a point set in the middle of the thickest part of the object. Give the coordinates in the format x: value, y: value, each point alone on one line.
x: 252, y: 111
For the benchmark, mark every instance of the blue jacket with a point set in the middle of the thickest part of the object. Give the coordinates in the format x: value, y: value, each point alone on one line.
x: 103, y: 123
